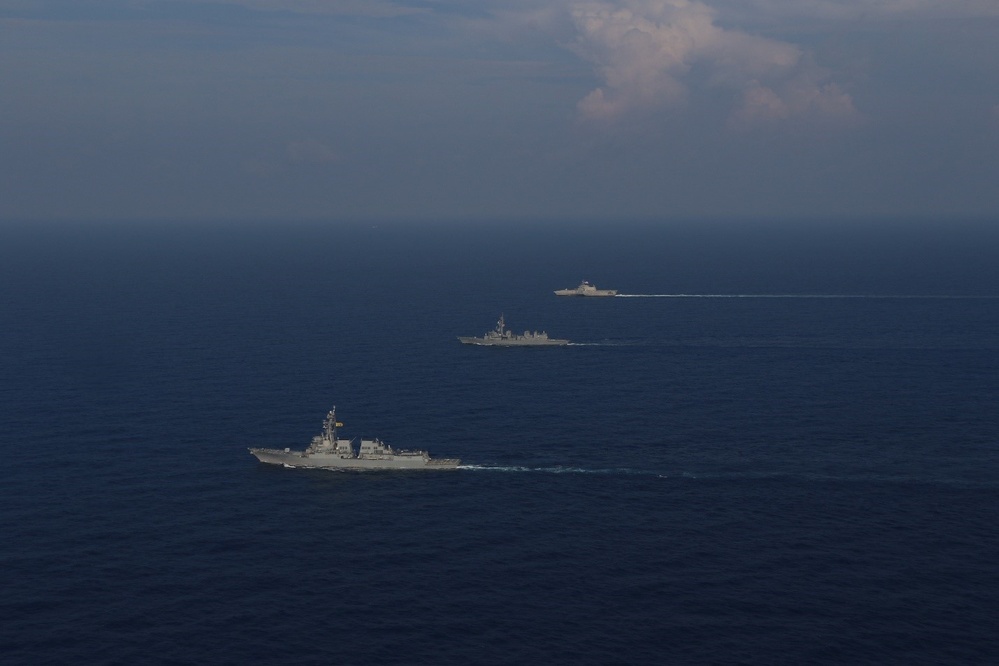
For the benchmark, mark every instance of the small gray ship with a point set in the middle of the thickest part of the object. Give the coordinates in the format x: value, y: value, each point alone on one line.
x: 586, y: 289
x: 327, y: 451
x: 501, y: 337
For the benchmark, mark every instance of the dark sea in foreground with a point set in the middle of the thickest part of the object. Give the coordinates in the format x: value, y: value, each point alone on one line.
x: 782, y: 447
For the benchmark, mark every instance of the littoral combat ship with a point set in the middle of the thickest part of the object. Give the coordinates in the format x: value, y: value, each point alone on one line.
x: 500, y: 337
x: 328, y: 452
x: 586, y: 289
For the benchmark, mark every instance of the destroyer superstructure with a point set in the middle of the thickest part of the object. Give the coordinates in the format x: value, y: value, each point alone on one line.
x: 501, y: 337
x: 586, y: 289
x: 327, y: 451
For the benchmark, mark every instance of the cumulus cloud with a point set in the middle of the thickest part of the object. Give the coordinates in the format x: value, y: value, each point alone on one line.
x: 641, y: 50
x: 798, y: 98
x: 644, y: 52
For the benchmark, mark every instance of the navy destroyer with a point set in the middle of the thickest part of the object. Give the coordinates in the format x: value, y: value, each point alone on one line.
x: 501, y: 337
x: 327, y: 451
x: 586, y: 289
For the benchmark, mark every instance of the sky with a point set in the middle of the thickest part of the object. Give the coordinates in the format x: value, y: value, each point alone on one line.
x: 488, y: 109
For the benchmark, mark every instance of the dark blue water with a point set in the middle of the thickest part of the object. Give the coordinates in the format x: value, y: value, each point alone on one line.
x: 809, y: 476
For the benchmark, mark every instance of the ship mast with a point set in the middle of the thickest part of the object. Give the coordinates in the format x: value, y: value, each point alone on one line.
x: 331, y: 425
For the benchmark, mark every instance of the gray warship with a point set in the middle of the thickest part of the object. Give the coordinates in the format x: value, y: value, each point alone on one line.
x: 500, y: 337
x: 329, y: 452
x: 586, y: 289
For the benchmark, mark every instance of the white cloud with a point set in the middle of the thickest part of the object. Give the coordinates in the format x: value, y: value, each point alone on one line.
x: 759, y: 105
x: 644, y: 51
x: 641, y: 50
x: 800, y: 98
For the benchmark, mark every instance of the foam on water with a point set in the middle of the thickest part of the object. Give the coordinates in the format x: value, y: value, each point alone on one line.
x: 743, y: 476
x: 815, y: 296
x: 560, y: 469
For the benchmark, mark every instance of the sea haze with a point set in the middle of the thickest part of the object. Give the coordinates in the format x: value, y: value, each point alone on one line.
x: 778, y: 446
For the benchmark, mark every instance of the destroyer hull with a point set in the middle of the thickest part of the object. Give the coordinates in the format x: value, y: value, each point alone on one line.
x: 334, y: 461
x: 591, y: 294
x: 486, y: 342
x: 586, y: 289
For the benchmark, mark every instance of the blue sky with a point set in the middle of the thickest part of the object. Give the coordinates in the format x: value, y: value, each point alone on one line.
x: 604, y: 109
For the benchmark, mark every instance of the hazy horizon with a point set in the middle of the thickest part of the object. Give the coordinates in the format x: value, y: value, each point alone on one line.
x: 423, y: 110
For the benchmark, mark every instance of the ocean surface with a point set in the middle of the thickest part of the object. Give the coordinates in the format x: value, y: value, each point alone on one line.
x: 780, y: 445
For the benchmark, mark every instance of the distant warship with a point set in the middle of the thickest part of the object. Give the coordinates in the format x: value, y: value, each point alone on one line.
x: 328, y: 452
x: 586, y: 289
x: 500, y: 337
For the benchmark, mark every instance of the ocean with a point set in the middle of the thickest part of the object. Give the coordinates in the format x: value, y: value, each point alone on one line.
x: 779, y: 445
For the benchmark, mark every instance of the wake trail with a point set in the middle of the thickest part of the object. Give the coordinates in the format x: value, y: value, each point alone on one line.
x: 814, y: 296
x: 601, y: 344
x: 759, y: 475
x: 559, y: 469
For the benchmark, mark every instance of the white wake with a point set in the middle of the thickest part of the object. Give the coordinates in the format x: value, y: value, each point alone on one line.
x: 813, y: 296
